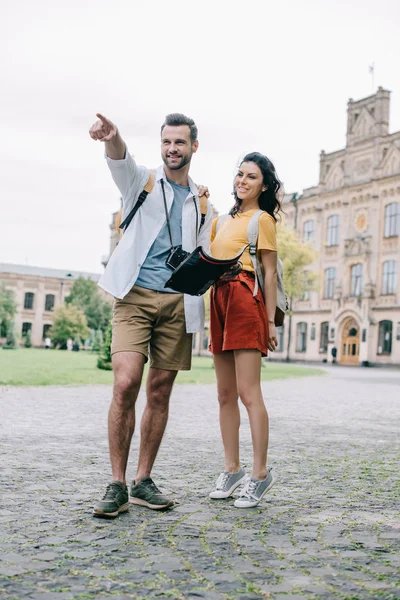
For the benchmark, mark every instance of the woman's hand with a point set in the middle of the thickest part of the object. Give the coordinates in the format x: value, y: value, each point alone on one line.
x: 203, y: 191
x: 272, y: 339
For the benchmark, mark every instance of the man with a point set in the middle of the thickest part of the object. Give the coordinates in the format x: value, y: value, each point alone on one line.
x: 146, y: 315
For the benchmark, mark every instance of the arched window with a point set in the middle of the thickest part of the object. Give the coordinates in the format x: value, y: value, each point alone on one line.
x: 333, y: 230
x: 385, y: 337
x: 392, y: 219
x: 280, y: 334
x: 46, y: 329
x: 301, y: 337
x: 329, y: 282
x: 389, y: 277
x: 356, y: 285
x: 49, y: 303
x: 28, y: 302
x: 25, y: 328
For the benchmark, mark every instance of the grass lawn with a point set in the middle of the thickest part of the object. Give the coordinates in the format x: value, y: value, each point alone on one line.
x: 58, y: 367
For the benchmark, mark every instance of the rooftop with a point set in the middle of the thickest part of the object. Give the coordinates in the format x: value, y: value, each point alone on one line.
x: 45, y: 272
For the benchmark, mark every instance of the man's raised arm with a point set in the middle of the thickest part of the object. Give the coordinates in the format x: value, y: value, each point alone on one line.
x: 105, y: 131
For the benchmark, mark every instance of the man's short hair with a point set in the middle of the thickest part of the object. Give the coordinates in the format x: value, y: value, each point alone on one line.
x: 176, y: 119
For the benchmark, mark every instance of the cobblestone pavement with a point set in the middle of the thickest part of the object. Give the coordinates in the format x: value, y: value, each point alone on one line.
x: 328, y: 529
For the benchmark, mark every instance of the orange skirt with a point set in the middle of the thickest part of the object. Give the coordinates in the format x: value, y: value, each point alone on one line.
x: 238, y: 320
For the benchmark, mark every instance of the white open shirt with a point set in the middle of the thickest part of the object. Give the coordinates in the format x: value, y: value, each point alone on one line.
x: 124, y: 265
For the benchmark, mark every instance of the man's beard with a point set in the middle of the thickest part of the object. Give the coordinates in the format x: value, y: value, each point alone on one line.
x: 179, y: 165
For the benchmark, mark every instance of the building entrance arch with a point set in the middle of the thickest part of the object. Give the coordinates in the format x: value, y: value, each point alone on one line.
x: 350, y: 343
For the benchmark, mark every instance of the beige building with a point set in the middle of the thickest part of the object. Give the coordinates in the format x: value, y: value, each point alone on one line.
x: 37, y: 292
x: 352, y: 219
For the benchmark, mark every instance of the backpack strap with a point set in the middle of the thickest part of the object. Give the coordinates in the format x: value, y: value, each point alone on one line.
x: 252, y: 236
x: 148, y: 188
x: 203, y: 209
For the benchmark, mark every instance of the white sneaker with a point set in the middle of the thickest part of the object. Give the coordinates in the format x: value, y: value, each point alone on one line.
x: 227, y: 483
x: 255, y: 490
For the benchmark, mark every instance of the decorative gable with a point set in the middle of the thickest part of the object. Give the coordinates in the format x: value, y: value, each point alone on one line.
x: 334, y: 177
x: 391, y: 161
x: 364, y: 124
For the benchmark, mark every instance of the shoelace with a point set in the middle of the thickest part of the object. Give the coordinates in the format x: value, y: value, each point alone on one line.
x: 249, y: 490
x: 153, y: 486
x: 111, y: 489
x: 221, y: 481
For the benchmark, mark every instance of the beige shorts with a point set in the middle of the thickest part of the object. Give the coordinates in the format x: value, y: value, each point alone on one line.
x: 152, y: 323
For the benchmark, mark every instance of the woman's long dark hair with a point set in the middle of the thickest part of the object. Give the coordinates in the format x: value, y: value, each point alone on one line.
x: 267, y: 200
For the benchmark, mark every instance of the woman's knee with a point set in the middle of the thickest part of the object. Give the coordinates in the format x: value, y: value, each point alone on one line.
x: 251, y: 397
x: 227, y: 396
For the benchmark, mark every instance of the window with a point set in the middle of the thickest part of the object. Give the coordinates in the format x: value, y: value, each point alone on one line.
x: 46, y: 329
x: 49, y: 303
x: 323, y: 337
x: 280, y: 333
x: 313, y: 332
x: 25, y: 328
x: 356, y: 286
x: 329, y: 283
x: 389, y: 277
x: 308, y: 231
x: 392, y: 220
x: 301, y: 337
x: 28, y: 302
x: 385, y: 337
x: 332, y: 231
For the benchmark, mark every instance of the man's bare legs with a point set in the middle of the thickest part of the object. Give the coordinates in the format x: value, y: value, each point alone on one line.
x: 154, y: 419
x: 128, y: 371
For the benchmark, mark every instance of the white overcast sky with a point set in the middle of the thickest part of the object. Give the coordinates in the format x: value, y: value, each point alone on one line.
x: 268, y: 76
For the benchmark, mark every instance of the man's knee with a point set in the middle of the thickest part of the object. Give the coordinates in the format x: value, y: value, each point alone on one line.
x: 159, y: 387
x: 128, y: 370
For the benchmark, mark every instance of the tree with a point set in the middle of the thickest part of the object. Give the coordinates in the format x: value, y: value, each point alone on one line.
x: 295, y: 256
x: 8, y: 306
x: 11, y: 342
x: 69, y: 323
x: 97, y: 340
x: 86, y: 296
x: 104, y: 360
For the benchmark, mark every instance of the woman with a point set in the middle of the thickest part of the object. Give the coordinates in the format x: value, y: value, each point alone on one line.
x: 242, y: 326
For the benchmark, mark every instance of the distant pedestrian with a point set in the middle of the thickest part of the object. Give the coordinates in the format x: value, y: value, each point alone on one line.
x: 70, y: 344
x: 47, y: 343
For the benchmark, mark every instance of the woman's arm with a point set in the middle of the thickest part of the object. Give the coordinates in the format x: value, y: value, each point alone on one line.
x: 269, y: 263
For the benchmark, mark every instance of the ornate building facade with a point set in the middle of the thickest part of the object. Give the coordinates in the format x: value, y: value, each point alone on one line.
x: 352, y: 220
x: 37, y: 292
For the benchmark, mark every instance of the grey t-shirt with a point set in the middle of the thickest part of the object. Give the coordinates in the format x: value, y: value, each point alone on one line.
x: 154, y: 273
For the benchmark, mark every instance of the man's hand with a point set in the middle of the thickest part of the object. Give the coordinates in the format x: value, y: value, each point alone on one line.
x: 103, y: 130
x: 203, y: 191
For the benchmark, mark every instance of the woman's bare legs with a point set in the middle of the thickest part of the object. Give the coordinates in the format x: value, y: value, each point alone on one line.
x: 229, y: 415
x: 248, y: 383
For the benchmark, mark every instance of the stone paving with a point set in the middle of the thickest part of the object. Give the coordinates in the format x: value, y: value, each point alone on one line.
x: 330, y: 528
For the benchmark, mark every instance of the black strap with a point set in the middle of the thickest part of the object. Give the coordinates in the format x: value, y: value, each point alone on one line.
x: 166, y: 213
x: 125, y: 223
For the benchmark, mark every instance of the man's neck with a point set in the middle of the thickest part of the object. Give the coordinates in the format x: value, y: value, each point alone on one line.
x: 180, y: 176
